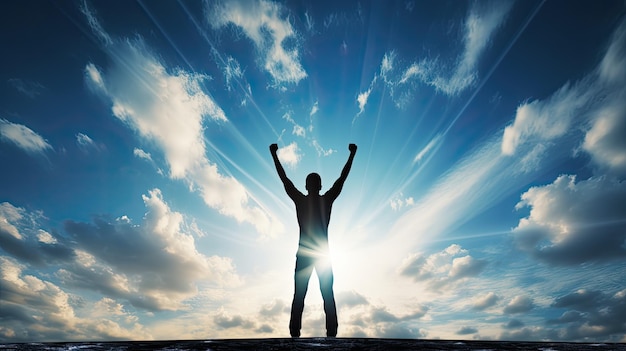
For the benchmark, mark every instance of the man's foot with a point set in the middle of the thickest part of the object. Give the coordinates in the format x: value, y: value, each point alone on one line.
x: 294, y: 333
x: 331, y: 333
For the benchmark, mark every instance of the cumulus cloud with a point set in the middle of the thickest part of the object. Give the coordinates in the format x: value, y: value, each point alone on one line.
x: 266, y: 24
x: 447, y: 267
x: 168, y: 108
x: 519, y: 304
x: 592, y: 315
x: 224, y: 321
x: 574, y: 222
x: 290, y: 155
x: 274, y: 309
x: 23, y: 137
x: 21, y: 238
x: 154, y: 265
x: 34, y: 309
x: 485, y: 301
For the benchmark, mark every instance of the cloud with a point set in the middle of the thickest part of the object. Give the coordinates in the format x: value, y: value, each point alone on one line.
x: 224, y: 321
x: 574, y: 222
x: 297, y: 129
x: 21, y: 238
x: 485, y: 301
x: 314, y: 109
x: 34, y: 309
x: 274, y: 309
x: 290, y: 155
x: 168, y: 109
x: 467, y: 330
x: 351, y: 299
x: 519, y: 304
x: 399, y: 202
x: 444, y: 268
x: 154, y: 265
x: 592, y: 315
x: 23, y: 137
x: 541, y: 121
x: 265, y: 24
x: 605, y: 141
x: 231, y: 70
x: 431, y: 144
x: 320, y: 150
x: 362, y: 100
x: 481, y: 24
x: 85, y: 143
x: 142, y: 154
x: 28, y: 88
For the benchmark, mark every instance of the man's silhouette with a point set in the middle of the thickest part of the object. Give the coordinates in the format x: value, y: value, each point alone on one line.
x: 313, y: 211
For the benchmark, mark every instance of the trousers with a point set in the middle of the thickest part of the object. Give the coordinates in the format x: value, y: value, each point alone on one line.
x: 303, y: 271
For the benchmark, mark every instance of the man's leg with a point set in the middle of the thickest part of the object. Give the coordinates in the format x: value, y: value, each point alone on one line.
x: 304, y: 268
x: 325, y: 274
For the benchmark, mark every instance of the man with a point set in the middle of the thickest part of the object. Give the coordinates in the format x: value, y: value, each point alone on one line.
x: 313, y: 211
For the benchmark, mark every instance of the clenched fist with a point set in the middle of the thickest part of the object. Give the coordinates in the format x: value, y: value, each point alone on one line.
x: 352, y: 148
x: 273, y: 148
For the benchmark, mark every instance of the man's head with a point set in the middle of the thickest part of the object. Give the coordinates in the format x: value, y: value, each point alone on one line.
x: 313, y: 183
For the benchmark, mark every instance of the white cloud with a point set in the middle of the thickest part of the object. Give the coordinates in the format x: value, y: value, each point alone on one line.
x: 9, y: 216
x: 231, y: 70
x: 297, y: 129
x: 442, y: 269
x: 85, y: 143
x: 142, y: 154
x: 572, y: 223
x: 431, y: 144
x: 362, y: 100
x: 23, y: 137
x: 485, y: 301
x: 321, y: 151
x: 519, y: 304
x: 168, y: 109
x: 545, y: 120
x: 314, y: 109
x: 399, y: 202
x: 290, y: 155
x: 265, y: 24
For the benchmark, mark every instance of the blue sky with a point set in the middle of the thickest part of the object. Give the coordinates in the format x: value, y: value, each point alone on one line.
x: 138, y: 199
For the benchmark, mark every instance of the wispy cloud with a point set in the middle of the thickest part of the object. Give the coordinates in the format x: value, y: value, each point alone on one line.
x: 23, y: 137
x: 29, y: 88
x: 85, y: 143
x: 142, y: 154
x: 265, y: 23
x: 168, y: 108
x: 431, y: 144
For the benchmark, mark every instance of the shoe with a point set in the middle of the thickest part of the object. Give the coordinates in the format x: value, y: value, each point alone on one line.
x: 294, y: 333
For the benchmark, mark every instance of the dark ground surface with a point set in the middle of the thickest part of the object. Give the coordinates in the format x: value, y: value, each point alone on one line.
x: 314, y: 344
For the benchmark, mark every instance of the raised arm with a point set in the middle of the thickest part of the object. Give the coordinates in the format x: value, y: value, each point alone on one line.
x: 289, y: 187
x: 336, y: 189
